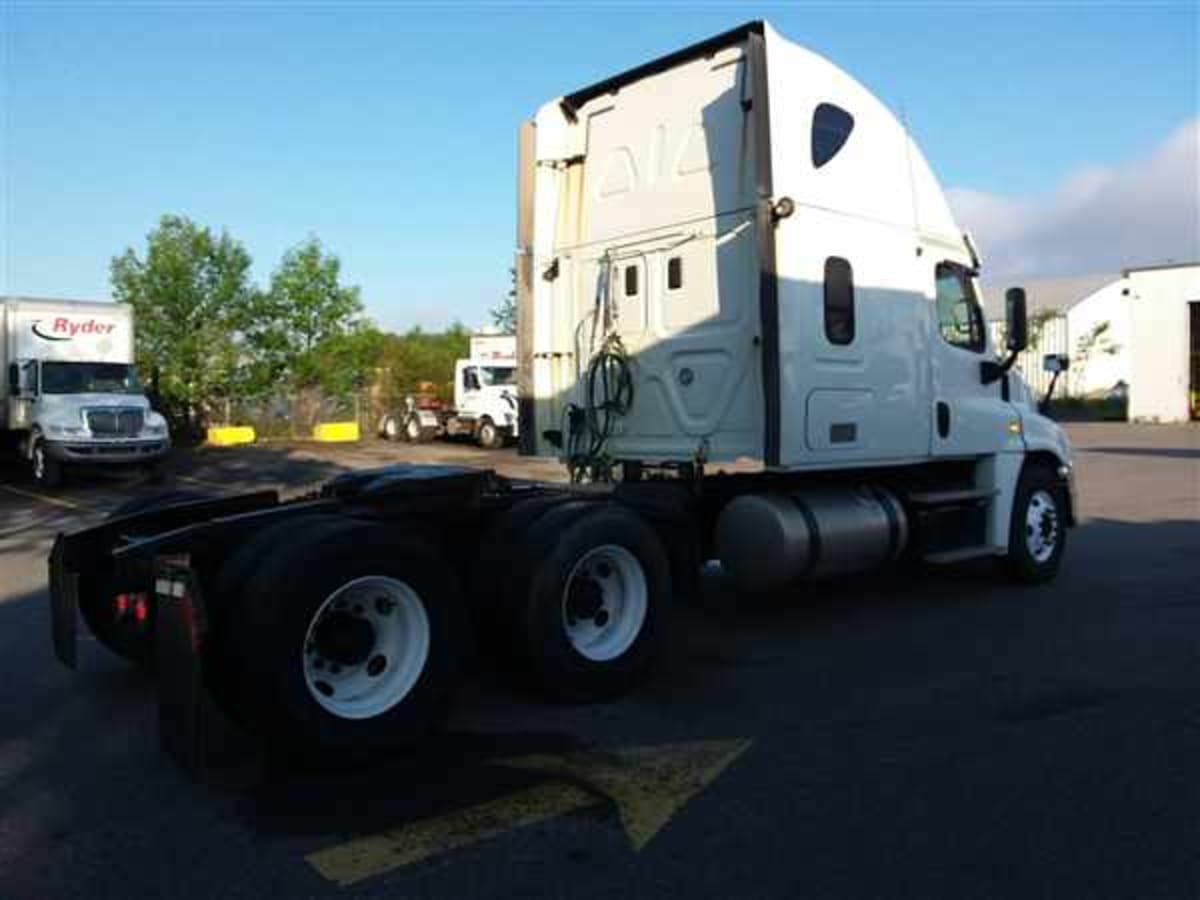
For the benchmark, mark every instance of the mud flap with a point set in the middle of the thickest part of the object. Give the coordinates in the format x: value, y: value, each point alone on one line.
x: 181, y: 627
x: 64, y: 603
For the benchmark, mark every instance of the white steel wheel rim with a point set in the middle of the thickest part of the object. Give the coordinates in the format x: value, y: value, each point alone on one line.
x: 1041, y: 526
x: 390, y: 428
x: 414, y: 428
x: 400, y: 627
x: 487, y: 432
x: 604, y: 603
x: 39, y: 462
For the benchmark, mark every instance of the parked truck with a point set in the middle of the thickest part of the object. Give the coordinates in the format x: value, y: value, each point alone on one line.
x: 485, y: 400
x: 746, y: 316
x: 73, y: 394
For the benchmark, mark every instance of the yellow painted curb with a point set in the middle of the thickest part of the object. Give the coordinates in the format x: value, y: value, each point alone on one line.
x: 336, y: 432
x: 230, y: 435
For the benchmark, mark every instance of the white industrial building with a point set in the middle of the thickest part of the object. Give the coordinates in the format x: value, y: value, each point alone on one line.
x: 1139, y: 329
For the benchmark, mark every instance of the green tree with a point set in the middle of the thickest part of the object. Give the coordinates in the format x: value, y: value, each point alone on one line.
x: 305, y: 320
x: 192, y: 297
x: 417, y: 357
x: 504, y: 315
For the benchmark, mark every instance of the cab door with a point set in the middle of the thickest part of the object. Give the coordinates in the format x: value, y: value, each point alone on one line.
x: 468, y: 391
x: 969, y: 418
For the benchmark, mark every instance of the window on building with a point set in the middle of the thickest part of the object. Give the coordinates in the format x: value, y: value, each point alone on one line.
x: 674, y: 273
x: 831, y: 126
x: 631, y: 281
x: 839, y: 301
x: 960, y: 320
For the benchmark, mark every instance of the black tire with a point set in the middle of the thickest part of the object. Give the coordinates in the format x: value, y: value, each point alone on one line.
x: 223, y: 673
x: 266, y: 629
x: 489, y: 435
x: 96, y: 594
x: 1038, y: 488
x: 47, y: 472
x: 413, y: 432
x: 551, y: 552
x: 501, y: 550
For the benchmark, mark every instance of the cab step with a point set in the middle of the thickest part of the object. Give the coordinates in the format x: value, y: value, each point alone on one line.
x: 948, y: 498
x: 961, y: 554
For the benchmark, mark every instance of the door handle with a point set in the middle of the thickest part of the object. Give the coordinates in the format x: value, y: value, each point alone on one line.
x: 943, y: 419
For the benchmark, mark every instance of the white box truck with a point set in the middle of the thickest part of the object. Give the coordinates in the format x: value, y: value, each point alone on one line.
x: 733, y: 253
x: 485, y: 399
x: 73, y: 395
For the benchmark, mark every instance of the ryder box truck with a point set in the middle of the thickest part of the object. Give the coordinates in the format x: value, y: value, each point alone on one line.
x: 72, y: 394
x: 731, y: 253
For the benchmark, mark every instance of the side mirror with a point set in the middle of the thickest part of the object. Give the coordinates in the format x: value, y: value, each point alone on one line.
x: 14, y: 380
x: 1016, y: 320
x: 1056, y: 362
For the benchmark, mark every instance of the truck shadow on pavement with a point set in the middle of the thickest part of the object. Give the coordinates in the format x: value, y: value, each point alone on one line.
x: 1159, y: 452
x: 79, y: 751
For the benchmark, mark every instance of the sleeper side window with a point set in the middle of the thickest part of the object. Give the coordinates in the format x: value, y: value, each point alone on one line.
x: 960, y: 320
x: 839, y: 300
x: 831, y: 126
x: 631, y: 281
x: 674, y: 273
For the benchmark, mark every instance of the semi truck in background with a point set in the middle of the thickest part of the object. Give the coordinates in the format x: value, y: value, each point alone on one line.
x: 746, y: 316
x: 72, y: 393
x: 485, y: 399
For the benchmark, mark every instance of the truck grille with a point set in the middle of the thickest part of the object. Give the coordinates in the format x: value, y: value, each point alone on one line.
x: 115, y: 422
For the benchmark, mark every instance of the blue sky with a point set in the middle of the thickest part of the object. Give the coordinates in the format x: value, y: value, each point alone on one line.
x: 389, y: 130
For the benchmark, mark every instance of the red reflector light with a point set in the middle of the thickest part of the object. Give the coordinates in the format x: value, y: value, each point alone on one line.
x: 141, y: 608
x: 122, y: 604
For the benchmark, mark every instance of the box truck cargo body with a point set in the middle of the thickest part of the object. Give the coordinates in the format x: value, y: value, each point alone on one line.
x: 731, y: 253
x: 73, y: 394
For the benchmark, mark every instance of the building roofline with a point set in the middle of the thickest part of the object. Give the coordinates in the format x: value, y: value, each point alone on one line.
x: 1158, y: 268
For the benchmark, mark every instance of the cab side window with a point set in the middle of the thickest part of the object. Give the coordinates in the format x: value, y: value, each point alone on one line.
x: 960, y: 320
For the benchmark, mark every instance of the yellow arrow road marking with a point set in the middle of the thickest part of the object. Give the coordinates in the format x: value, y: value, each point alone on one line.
x: 366, y: 857
x: 648, y: 785
x: 53, y: 501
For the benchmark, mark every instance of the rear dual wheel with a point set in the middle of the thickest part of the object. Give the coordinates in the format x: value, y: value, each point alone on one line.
x: 343, y: 641
x: 588, y: 602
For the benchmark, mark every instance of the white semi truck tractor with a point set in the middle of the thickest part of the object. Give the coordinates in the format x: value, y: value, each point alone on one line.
x: 72, y: 392
x: 746, y: 317
x: 485, y: 399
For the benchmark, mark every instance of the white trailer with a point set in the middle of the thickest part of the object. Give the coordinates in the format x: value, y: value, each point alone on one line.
x: 73, y: 396
x: 485, y: 399
x: 731, y: 254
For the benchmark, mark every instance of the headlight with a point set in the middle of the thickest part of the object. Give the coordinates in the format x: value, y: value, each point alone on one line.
x: 155, y: 430
x: 67, y: 430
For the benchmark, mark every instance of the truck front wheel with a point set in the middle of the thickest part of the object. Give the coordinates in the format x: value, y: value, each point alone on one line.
x: 47, y: 471
x: 348, y: 641
x: 590, y: 602
x: 1038, y: 531
x: 489, y: 436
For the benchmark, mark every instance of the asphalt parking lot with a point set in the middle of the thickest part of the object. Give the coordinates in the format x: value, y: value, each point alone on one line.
x: 935, y: 736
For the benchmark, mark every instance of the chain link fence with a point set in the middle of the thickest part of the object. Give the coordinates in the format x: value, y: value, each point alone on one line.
x: 293, y: 416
